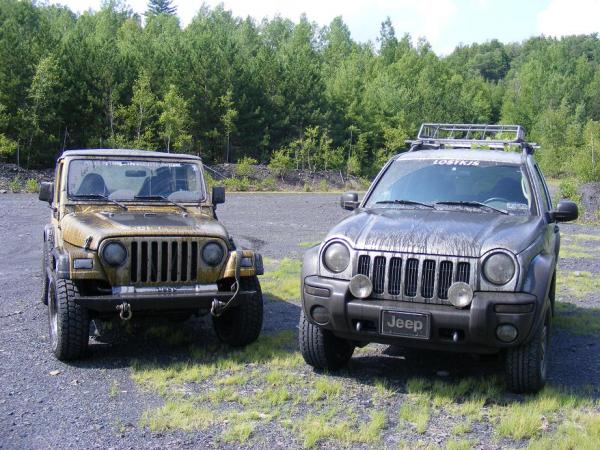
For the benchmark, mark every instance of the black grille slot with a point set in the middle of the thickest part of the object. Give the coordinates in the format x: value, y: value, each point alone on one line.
x: 463, y: 272
x: 184, y: 261
x: 379, y: 274
x: 134, y: 262
x: 395, y: 276
x: 144, y: 262
x: 174, y: 259
x: 428, y: 278
x: 364, y: 264
x: 445, y: 279
x: 153, y: 261
x: 194, y: 272
x: 411, y: 277
x: 164, y: 261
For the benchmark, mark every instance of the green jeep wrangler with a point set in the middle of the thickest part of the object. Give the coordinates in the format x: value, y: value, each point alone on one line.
x: 134, y: 233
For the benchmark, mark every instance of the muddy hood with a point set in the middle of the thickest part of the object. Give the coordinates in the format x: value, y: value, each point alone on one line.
x: 450, y: 233
x: 77, y: 227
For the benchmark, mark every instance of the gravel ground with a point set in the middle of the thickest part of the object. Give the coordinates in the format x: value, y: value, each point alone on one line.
x: 45, y: 403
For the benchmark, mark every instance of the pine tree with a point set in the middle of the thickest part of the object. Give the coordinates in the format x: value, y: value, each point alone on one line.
x: 156, y: 7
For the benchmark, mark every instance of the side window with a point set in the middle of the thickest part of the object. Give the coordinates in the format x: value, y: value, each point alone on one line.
x: 543, y: 188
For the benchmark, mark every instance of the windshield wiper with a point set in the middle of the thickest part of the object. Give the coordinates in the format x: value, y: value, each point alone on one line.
x: 403, y: 202
x: 160, y: 197
x: 103, y: 197
x: 471, y: 203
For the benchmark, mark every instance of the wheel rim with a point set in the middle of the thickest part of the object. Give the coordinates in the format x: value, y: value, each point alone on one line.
x: 52, y: 315
x: 543, y: 352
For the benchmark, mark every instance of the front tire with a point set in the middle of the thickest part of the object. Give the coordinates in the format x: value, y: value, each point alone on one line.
x: 527, y: 365
x: 241, y: 325
x: 69, y: 321
x: 46, y: 258
x: 320, y: 348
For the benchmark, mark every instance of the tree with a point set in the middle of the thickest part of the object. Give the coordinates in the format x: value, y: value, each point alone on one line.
x: 174, y: 121
x: 228, y: 119
x: 137, y: 121
x: 156, y: 7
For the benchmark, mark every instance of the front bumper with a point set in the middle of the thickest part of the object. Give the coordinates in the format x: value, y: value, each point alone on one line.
x: 475, y: 326
x: 160, y: 301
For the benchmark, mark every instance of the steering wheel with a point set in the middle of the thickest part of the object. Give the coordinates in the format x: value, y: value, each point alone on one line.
x: 496, y: 199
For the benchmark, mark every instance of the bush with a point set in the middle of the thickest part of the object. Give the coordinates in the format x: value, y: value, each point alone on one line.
x: 323, y: 186
x: 568, y: 189
x: 15, y: 184
x: 268, y: 184
x: 353, y: 166
x: 32, y: 185
x: 237, y: 184
x: 244, y: 166
x: 281, y: 163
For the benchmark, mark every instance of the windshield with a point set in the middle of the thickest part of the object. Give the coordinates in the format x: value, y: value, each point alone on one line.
x: 132, y: 180
x: 457, y: 183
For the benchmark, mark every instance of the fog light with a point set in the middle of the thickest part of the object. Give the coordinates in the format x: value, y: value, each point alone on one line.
x: 460, y: 294
x: 361, y: 286
x: 506, y: 332
x: 320, y: 314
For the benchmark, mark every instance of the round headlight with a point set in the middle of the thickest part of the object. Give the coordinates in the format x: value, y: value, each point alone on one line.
x: 498, y: 268
x: 212, y: 254
x: 114, y: 254
x: 361, y: 286
x: 460, y: 294
x: 336, y: 257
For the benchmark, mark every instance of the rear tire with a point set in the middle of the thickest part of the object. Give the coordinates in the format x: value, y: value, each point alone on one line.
x: 527, y: 365
x: 320, y: 348
x: 69, y: 322
x: 240, y: 325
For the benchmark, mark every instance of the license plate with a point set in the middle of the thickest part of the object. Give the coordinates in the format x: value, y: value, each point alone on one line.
x: 397, y: 323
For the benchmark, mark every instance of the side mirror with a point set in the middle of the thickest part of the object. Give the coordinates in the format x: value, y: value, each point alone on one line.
x: 349, y: 201
x: 565, y: 211
x: 46, y: 192
x: 218, y: 195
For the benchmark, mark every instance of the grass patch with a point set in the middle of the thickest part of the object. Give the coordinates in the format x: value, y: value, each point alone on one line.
x: 315, y: 429
x: 282, y: 279
x: 181, y: 415
x: 582, y: 321
x: 575, y: 250
x: 240, y: 432
x: 462, y: 444
x: 417, y: 413
x: 529, y: 418
x: 579, y: 284
x: 580, y: 431
x: 325, y: 389
x: 114, y: 390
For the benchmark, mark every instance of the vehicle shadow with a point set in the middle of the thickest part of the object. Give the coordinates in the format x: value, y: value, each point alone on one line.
x: 165, y: 341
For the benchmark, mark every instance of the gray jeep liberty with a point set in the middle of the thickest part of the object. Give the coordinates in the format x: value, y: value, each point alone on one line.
x: 454, y: 247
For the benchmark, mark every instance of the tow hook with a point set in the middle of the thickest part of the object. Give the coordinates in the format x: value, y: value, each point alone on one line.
x: 125, y: 312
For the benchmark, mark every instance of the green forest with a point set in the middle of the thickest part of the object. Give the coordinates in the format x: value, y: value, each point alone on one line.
x: 295, y: 95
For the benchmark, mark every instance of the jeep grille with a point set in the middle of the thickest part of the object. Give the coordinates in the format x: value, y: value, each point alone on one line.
x: 417, y: 278
x: 162, y: 260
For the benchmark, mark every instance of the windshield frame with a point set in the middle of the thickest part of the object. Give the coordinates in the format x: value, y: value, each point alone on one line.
x: 534, y: 208
x: 73, y: 198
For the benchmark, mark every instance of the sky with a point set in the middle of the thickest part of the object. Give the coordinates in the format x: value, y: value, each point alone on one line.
x: 444, y: 23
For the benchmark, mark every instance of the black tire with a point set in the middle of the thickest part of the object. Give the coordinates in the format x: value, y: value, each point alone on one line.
x: 240, y: 325
x: 69, y: 322
x: 320, y: 348
x: 527, y: 365
x: 46, y: 251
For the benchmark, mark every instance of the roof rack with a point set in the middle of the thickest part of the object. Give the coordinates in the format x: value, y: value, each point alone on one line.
x: 461, y: 135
